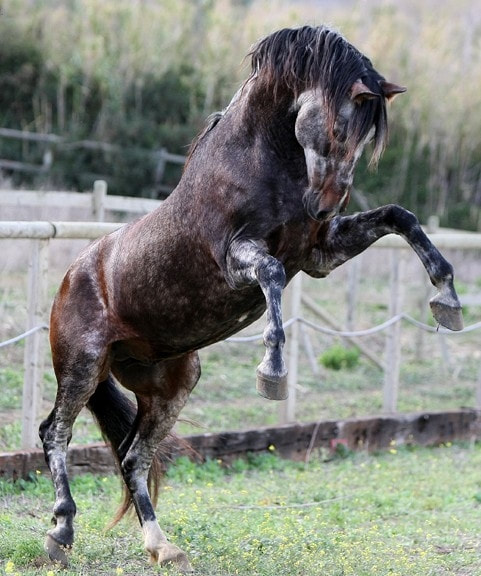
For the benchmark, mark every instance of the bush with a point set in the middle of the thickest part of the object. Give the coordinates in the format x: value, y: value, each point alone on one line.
x: 338, y: 357
x: 145, y: 75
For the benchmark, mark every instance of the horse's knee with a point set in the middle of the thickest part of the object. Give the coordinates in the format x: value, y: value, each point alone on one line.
x: 271, y: 273
x: 400, y: 219
x: 45, y: 427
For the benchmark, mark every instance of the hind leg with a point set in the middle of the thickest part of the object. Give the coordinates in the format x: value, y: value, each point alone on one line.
x: 161, y: 392
x: 75, y: 386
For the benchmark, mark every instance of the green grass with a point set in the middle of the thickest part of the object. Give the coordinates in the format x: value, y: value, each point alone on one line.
x: 406, y: 512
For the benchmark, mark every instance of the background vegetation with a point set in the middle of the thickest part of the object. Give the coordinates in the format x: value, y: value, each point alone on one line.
x: 144, y: 75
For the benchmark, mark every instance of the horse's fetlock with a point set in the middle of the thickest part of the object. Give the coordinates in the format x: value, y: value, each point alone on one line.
x: 274, y: 337
x: 127, y: 466
x: 64, y: 508
x: 131, y: 471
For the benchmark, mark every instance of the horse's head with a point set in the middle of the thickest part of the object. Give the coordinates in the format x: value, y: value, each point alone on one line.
x: 333, y: 145
x: 340, y: 101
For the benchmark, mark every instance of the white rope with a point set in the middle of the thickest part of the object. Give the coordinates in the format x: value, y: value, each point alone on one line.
x: 316, y: 327
x: 24, y: 335
x: 360, y: 333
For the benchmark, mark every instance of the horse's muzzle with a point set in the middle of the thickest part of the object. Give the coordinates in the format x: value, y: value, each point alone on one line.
x: 322, y: 206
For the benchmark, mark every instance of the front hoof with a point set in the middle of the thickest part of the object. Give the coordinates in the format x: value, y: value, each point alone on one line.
x: 56, y: 552
x: 170, y: 554
x: 272, y: 387
x: 450, y: 317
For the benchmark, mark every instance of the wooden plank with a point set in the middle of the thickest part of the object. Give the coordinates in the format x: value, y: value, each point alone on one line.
x: 31, y: 136
x: 87, y: 144
x: 442, y: 240
x: 287, y: 408
x: 352, y: 290
x: 22, y: 198
x: 127, y: 204
x: 26, y: 229
x: 174, y: 158
x: 393, y: 335
x: 84, y: 230
x: 45, y: 230
x: 22, y: 166
x: 84, y: 200
x: 98, y: 200
x: 478, y: 391
x: 295, y: 441
x: 35, y: 344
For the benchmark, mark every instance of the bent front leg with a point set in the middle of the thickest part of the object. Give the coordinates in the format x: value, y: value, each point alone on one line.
x: 247, y: 264
x: 350, y: 235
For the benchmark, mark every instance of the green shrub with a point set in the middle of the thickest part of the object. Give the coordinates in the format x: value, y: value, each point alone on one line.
x: 338, y: 357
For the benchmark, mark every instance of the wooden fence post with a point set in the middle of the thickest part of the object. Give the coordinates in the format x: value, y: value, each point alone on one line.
x: 35, y: 343
x: 98, y: 200
x: 393, y: 337
x: 425, y: 294
x: 287, y: 408
x: 352, y: 286
x: 478, y: 392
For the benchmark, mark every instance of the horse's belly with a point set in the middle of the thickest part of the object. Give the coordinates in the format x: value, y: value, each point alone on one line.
x: 184, y: 325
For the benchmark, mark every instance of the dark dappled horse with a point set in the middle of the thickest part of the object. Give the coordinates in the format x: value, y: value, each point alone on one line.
x: 259, y: 201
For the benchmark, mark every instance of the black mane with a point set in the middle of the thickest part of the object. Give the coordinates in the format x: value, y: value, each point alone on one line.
x: 306, y: 58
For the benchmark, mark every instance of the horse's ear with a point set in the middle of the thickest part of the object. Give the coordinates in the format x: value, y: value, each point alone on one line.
x: 360, y: 92
x: 391, y: 90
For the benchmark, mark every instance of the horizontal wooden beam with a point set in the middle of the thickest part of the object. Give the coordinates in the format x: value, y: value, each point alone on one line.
x: 295, y: 441
x: 40, y: 229
x: 46, y: 230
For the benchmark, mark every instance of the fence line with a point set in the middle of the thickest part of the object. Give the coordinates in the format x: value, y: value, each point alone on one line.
x: 161, y: 156
x: 40, y: 233
x: 316, y: 327
x: 97, y: 201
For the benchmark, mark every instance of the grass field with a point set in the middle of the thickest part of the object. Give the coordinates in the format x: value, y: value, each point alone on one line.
x: 406, y: 512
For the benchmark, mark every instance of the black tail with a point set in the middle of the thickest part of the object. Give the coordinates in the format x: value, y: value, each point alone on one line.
x: 115, y: 415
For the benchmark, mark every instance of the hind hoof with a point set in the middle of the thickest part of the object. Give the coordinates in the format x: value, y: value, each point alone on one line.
x: 56, y: 552
x: 272, y: 387
x: 170, y: 555
x: 450, y: 317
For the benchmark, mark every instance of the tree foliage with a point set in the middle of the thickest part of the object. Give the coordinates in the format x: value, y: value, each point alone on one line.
x: 143, y: 75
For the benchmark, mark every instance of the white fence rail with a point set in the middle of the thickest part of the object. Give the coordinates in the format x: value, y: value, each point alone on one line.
x: 41, y: 233
x: 96, y: 201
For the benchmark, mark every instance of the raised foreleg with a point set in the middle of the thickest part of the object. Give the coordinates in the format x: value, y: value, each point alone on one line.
x: 350, y: 235
x: 249, y: 263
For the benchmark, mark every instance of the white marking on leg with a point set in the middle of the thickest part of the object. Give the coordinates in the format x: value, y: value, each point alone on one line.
x: 153, y: 536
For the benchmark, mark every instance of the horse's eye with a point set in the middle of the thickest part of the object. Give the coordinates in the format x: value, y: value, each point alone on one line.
x: 340, y: 129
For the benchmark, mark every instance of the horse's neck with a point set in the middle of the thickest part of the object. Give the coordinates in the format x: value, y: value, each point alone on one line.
x: 256, y: 111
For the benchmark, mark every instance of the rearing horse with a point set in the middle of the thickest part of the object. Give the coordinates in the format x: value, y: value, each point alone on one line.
x: 259, y: 201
